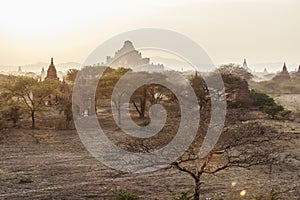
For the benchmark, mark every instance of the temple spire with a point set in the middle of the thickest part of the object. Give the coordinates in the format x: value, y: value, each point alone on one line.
x: 245, y: 66
x: 51, y: 72
x: 284, y: 69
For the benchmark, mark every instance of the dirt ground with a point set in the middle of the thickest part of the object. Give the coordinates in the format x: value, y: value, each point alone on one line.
x: 51, y: 164
x: 289, y: 101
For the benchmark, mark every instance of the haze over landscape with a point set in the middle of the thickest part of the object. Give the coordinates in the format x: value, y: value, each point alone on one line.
x: 122, y: 100
x: 264, y: 32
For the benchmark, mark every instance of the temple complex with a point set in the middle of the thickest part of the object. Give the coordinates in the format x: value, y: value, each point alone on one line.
x: 129, y: 57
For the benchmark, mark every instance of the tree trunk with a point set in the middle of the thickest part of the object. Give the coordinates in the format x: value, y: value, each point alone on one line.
x: 197, y: 189
x: 143, y: 103
x: 119, y: 115
x: 143, y: 106
x: 32, y: 120
x: 118, y: 108
x: 15, y: 123
x: 140, y: 110
x: 67, y: 124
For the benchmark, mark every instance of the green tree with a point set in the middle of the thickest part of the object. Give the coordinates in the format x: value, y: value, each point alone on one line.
x: 261, y: 99
x: 272, y: 110
x: 30, y: 93
x: 106, y: 85
x: 65, y: 108
x: 12, y: 111
x: 71, y: 75
x: 150, y: 94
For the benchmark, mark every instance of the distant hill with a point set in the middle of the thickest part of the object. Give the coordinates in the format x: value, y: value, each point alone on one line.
x: 37, y: 67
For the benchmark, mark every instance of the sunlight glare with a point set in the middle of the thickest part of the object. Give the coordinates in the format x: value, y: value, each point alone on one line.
x: 243, y: 193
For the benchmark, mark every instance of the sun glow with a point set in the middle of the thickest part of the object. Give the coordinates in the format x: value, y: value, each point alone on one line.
x: 32, y: 30
x: 34, y: 18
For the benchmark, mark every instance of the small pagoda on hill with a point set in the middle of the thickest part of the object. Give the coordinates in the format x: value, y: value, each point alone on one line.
x: 284, y: 75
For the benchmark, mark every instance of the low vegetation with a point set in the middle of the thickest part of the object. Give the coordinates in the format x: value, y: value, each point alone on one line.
x: 123, y: 195
x: 266, y: 103
x: 24, y: 180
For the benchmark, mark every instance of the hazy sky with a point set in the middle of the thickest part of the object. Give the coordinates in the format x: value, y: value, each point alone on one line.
x: 260, y: 30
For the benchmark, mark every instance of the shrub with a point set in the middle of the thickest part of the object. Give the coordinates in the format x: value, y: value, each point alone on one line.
x: 266, y: 103
x: 25, y: 180
x: 13, y: 112
x: 184, y: 196
x: 273, y: 195
x: 261, y: 99
x: 122, y: 195
x: 61, y: 123
x: 272, y: 110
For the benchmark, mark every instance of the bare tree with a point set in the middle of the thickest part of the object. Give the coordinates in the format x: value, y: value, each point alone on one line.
x: 221, y: 157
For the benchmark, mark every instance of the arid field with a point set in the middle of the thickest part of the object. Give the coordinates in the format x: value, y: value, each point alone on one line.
x: 51, y: 164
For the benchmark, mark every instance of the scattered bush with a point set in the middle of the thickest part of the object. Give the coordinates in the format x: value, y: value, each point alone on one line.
x: 185, y: 196
x: 266, y: 103
x: 261, y: 99
x: 272, y: 110
x: 60, y: 123
x: 13, y: 112
x: 122, y: 195
x: 272, y: 196
x: 25, y: 180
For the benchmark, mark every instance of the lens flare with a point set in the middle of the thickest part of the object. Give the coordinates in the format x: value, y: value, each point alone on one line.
x: 243, y: 193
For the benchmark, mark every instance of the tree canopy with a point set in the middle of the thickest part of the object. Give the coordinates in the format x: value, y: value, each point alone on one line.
x: 29, y: 93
